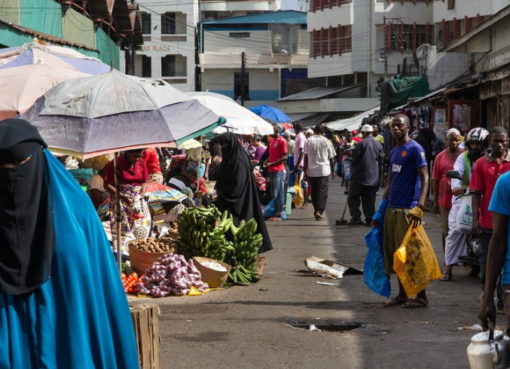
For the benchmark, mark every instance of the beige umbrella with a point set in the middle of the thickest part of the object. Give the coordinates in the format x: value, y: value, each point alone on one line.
x: 21, y: 86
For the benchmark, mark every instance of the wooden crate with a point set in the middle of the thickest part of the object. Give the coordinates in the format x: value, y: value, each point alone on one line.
x: 146, y: 323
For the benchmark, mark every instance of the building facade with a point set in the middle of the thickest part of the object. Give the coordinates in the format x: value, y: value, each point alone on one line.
x: 168, y: 51
x: 256, y: 58
x: 364, y: 41
x: 213, y: 9
x: 103, y: 29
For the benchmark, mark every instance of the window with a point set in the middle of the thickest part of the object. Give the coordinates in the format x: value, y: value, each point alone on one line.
x: 168, y: 24
x: 173, y: 66
x: 146, y: 66
x: 241, y: 85
x: 284, y: 38
x: 239, y: 34
x: 146, y: 23
x: 451, y: 4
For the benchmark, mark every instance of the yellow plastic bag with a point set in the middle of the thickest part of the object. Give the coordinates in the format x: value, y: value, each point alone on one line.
x: 415, y: 261
x: 297, y: 197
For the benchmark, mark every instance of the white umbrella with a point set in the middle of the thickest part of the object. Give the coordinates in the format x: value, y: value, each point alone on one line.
x: 239, y: 119
x: 112, y: 112
x: 21, y: 86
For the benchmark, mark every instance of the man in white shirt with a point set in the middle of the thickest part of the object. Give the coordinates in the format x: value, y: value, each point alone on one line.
x: 318, y: 165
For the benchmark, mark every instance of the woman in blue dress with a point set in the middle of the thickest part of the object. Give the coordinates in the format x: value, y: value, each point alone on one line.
x: 62, y: 304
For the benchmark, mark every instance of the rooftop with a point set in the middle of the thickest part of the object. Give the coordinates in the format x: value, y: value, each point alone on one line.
x: 281, y: 16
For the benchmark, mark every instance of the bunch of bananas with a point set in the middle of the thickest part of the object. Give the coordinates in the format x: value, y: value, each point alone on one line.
x: 246, y: 244
x: 202, y: 233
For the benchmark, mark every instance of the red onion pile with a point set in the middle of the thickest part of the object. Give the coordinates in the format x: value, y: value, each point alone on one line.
x: 171, y: 274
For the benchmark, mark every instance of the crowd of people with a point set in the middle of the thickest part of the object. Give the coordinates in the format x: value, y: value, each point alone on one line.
x: 464, y: 177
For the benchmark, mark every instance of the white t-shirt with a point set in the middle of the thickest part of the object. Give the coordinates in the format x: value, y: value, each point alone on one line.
x: 319, y: 150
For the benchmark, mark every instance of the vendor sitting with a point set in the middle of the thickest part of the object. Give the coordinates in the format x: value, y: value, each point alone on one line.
x: 184, y: 183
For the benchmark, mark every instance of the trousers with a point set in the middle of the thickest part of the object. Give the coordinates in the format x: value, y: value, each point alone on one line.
x: 320, y: 187
x: 365, y: 195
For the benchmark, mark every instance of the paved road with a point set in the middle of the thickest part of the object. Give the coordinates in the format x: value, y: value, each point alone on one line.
x: 247, y: 327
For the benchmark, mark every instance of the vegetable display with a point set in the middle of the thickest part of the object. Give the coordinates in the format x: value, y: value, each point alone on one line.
x: 203, y: 231
x: 130, y: 282
x: 171, y: 274
x: 209, y: 233
x: 154, y: 245
x: 243, y: 257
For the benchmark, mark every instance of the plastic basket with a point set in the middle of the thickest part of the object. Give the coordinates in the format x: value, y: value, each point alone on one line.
x: 214, y: 278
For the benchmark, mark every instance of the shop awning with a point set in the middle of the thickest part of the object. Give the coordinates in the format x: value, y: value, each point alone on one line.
x: 316, y: 93
x: 352, y: 122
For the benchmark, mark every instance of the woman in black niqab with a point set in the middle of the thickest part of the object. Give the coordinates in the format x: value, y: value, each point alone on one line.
x: 26, y: 220
x: 235, y: 185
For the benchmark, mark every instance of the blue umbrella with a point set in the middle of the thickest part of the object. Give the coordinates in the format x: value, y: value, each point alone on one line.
x: 270, y: 112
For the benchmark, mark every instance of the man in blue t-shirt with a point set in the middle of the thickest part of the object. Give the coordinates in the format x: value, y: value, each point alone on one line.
x: 403, y: 200
x: 498, y: 258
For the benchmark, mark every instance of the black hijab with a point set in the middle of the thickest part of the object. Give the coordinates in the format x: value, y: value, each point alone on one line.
x: 235, y: 185
x: 26, y: 219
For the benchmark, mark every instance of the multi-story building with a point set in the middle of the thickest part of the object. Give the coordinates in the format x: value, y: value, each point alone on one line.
x: 365, y: 41
x: 257, y: 58
x: 170, y: 37
x: 100, y: 28
x: 168, y: 51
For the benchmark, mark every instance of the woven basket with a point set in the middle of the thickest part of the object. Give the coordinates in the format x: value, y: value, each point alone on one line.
x: 213, y: 278
x: 141, y: 260
x: 260, y: 262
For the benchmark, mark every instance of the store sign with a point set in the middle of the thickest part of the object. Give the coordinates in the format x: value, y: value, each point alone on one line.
x: 148, y: 48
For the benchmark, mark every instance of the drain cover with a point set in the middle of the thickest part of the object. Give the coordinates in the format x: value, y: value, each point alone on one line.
x: 325, y: 325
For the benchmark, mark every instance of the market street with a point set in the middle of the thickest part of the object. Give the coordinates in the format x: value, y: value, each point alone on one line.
x: 247, y: 327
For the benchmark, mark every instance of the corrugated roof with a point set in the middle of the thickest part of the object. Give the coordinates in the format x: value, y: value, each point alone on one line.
x: 316, y: 93
x: 281, y: 16
x: 45, y: 36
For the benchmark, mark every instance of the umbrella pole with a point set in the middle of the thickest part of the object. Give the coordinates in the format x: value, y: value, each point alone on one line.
x: 118, y: 217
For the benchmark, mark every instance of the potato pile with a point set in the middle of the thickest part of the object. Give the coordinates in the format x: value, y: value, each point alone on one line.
x: 153, y: 245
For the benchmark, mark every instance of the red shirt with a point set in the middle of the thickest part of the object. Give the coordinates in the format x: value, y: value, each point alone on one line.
x: 136, y: 175
x: 442, y: 164
x: 150, y: 157
x: 277, y: 149
x: 483, y: 179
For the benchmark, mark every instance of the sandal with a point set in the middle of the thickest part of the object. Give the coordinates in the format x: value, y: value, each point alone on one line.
x: 446, y: 277
x: 397, y: 300
x: 415, y: 303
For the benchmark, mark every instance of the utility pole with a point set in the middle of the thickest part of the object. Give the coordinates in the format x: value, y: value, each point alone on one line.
x: 242, y: 79
x: 385, y: 50
x: 369, y: 71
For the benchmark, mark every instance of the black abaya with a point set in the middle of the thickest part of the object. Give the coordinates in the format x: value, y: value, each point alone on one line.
x: 236, y: 187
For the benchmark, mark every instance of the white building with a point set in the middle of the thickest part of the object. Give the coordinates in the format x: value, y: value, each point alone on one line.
x: 364, y: 40
x: 168, y: 51
x: 214, y: 9
x: 275, y: 47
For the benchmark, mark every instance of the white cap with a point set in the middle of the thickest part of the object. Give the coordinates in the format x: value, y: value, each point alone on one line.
x: 367, y: 128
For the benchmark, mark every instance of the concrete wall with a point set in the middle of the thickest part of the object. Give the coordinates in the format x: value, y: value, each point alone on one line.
x: 463, y: 8
x: 259, y: 42
x: 421, y: 13
x: 156, y: 48
x: 232, y: 6
x: 338, y: 15
x: 264, y: 84
x: 327, y: 66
